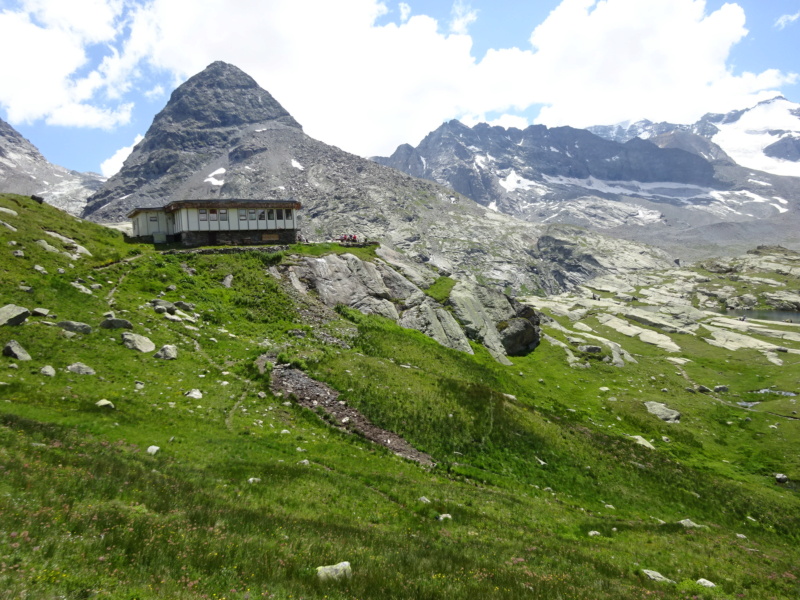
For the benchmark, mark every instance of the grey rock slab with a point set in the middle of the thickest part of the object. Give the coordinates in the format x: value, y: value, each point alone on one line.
x: 185, y: 305
x: 664, y: 413
x: 166, y: 305
x: 434, y: 321
x: 75, y: 327
x: 11, y: 314
x: 167, y: 352
x: 15, y: 350
x: 134, y: 341
x: 689, y: 524
x: 173, y: 318
x: 80, y: 369
x: 41, y: 312
x: 115, y: 323
x: 656, y: 576
x: 642, y: 442
x: 48, y: 371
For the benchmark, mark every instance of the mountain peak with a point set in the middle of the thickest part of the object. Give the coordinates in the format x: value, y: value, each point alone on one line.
x: 220, y: 96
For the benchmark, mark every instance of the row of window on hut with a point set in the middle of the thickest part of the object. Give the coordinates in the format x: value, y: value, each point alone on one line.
x: 246, y: 214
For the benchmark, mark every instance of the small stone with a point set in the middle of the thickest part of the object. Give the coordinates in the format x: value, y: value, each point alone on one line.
x: 741, y: 536
x: 689, y: 524
x: 424, y: 500
x: 167, y: 352
x: 254, y: 480
x: 594, y: 533
x: 41, y: 312
x: 262, y: 395
x: 781, y: 478
x: 703, y: 389
x: 114, y: 323
x: 153, y: 450
x: 48, y: 371
x: 335, y: 572
x: 285, y: 431
x: 195, y: 393
x: 80, y: 369
x: 304, y: 462
x: 444, y: 517
x: 610, y: 507
x: 705, y: 583
x: 104, y: 404
x: 720, y: 389
x: 75, y: 327
x: 643, y: 442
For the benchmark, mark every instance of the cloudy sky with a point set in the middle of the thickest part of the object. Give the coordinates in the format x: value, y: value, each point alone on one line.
x: 83, y: 79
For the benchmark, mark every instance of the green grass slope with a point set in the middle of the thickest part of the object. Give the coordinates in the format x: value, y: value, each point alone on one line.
x: 531, y: 457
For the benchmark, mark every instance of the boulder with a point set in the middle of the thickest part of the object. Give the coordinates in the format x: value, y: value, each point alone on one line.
x: 518, y: 336
x: 781, y: 478
x: 662, y: 412
x: 185, y: 305
x: 11, y: 314
x: 15, y: 350
x: 167, y: 352
x: 720, y: 388
x: 81, y: 288
x: 48, y: 371
x: 335, y: 572
x: 167, y: 306
x: 75, y: 327
x: 134, y: 341
x: 80, y: 369
x: 705, y: 583
x: 41, y: 312
x: 114, y: 323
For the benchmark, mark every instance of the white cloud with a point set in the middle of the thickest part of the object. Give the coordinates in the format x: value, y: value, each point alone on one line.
x: 405, y: 12
x: 785, y: 20
x: 113, y: 164
x: 40, y: 82
x: 368, y: 87
x: 462, y: 15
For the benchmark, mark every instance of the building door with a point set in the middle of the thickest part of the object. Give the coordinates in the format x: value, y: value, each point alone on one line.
x: 212, y: 238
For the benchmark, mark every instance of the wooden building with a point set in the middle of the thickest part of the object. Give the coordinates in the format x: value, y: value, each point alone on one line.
x: 211, y: 222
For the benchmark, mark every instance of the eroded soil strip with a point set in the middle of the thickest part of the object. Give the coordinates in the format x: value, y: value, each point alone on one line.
x: 314, y: 394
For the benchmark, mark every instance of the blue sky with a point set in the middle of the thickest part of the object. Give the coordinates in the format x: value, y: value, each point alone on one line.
x: 367, y: 75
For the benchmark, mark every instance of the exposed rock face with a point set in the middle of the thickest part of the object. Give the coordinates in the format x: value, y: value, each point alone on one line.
x: 495, y: 320
x: 75, y: 327
x: 432, y: 319
x: 23, y: 170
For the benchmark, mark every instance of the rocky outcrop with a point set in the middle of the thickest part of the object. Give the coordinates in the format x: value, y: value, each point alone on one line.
x: 495, y: 320
x: 376, y: 288
x: 11, y: 314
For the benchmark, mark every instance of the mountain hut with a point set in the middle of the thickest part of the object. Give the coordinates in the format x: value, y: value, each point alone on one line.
x: 212, y: 222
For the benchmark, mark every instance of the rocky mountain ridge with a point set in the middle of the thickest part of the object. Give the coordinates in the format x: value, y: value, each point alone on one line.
x: 23, y: 170
x: 671, y: 190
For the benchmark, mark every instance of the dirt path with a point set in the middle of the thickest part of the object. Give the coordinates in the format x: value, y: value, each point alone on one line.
x: 313, y: 394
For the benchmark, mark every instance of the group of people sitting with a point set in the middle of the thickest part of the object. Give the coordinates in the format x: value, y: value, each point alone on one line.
x: 346, y: 237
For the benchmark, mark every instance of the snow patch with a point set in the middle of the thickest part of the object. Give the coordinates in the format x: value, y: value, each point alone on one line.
x: 493, y: 206
x: 513, y: 182
x: 212, y: 178
x: 744, y: 140
x: 297, y: 165
x: 759, y: 182
x: 781, y: 200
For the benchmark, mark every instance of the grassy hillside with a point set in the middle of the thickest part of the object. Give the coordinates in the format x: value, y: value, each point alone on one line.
x: 530, y: 458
